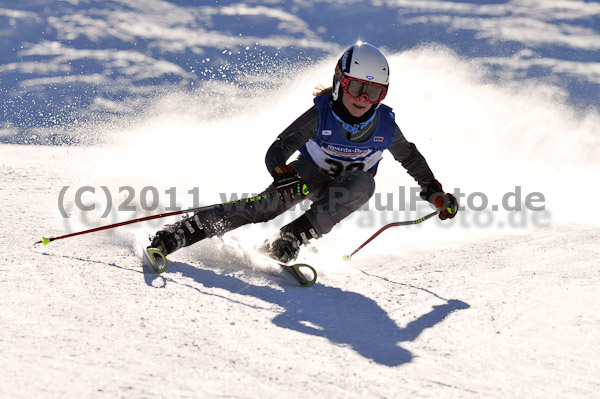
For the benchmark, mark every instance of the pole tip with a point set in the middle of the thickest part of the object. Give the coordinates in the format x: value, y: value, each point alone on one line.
x: 46, y: 241
x: 347, y: 258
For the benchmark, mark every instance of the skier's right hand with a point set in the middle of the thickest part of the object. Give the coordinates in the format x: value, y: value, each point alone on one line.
x: 289, y: 184
x: 446, y: 203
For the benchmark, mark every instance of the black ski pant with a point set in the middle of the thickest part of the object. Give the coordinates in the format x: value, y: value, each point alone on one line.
x: 334, y: 198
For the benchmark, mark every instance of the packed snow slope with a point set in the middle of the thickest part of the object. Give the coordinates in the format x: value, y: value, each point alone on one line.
x: 66, y: 61
x: 501, y: 302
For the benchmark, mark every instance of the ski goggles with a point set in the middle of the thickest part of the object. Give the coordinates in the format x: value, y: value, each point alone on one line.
x: 361, y: 89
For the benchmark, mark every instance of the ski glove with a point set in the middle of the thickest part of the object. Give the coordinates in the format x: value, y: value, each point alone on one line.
x: 288, y: 183
x: 446, y: 203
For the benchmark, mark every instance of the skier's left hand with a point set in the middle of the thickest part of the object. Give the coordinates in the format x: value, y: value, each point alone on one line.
x: 446, y: 203
x: 289, y: 183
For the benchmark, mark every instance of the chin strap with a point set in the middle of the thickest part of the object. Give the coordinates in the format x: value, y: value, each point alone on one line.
x: 356, y: 127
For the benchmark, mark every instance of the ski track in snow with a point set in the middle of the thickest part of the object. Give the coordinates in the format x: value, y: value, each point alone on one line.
x: 493, y: 304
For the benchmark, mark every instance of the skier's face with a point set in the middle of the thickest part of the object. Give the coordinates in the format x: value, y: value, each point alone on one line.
x: 357, y: 108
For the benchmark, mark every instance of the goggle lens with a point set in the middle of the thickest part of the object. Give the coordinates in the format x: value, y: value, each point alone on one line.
x: 357, y: 89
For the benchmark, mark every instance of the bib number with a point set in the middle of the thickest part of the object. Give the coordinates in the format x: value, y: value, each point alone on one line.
x: 336, y: 168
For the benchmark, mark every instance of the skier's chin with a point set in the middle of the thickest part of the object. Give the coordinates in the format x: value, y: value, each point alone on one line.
x: 358, y: 110
x: 355, y: 107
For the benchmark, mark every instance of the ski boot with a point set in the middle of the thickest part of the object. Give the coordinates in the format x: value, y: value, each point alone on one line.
x: 171, y: 238
x: 285, y: 245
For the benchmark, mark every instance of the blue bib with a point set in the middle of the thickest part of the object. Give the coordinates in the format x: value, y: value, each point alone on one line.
x: 331, y: 151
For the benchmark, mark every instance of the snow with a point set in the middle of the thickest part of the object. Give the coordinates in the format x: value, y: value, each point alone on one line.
x: 495, y: 303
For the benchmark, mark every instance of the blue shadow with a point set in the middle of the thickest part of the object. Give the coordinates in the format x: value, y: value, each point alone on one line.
x: 343, y: 317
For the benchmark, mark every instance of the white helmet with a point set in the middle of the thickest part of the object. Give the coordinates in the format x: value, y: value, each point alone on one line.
x: 362, y: 63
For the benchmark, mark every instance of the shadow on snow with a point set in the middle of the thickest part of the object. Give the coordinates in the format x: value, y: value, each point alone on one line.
x: 343, y: 317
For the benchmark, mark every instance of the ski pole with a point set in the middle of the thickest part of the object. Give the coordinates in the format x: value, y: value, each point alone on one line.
x: 387, y: 226
x: 47, y: 241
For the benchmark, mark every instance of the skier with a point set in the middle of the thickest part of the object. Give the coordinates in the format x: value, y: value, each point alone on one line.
x: 341, y: 139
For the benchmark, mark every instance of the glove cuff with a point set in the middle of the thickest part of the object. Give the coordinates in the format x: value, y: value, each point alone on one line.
x: 282, y: 169
x: 433, y: 192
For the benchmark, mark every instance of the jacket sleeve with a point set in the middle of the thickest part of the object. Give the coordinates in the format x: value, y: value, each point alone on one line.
x: 411, y: 159
x: 292, y: 139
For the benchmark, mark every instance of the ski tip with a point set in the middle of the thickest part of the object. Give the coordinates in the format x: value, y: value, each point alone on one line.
x: 45, y: 240
x: 157, y: 259
x: 305, y: 274
x: 347, y: 258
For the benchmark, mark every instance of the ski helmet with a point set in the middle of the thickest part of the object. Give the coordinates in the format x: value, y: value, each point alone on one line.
x: 362, y: 72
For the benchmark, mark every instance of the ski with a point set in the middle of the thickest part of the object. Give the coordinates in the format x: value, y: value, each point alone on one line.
x: 303, y: 273
x: 300, y: 271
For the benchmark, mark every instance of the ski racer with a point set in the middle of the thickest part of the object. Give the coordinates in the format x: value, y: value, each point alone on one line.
x: 341, y: 139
